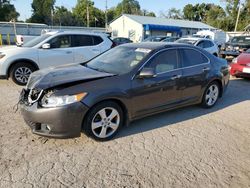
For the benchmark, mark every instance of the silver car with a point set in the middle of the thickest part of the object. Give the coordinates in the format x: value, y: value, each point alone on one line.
x: 206, y: 44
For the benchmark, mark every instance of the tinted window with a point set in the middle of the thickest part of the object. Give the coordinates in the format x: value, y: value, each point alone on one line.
x: 201, y: 44
x: 208, y: 44
x: 97, y: 40
x: 165, y: 61
x: 63, y: 41
x: 191, y: 57
x: 82, y: 40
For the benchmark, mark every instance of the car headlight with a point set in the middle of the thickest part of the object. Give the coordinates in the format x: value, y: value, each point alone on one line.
x: 49, y: 101
x: 2, y: 55
x: 235, y: 60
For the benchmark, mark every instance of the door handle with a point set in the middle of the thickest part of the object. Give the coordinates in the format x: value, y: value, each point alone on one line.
x: 175, y: 77
x: 68, y: 52
x: 206, y: 69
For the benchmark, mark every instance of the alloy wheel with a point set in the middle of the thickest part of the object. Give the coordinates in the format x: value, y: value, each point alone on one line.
x: 22, y: 74
x: 212, y: 95
x: 105, y: 122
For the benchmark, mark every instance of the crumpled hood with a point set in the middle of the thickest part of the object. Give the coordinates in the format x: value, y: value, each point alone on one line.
x: 55, y: 76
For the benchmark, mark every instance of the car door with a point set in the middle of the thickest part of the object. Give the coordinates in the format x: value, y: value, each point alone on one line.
x: 84, y: 48
x: 195, y: 71
x: 59, y: 53
x: 159, y: 92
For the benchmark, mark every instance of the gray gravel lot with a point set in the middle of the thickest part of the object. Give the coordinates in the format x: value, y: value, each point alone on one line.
x: 190, y: 147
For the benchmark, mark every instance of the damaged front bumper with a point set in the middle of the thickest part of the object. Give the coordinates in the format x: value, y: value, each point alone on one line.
x: 59, y: 122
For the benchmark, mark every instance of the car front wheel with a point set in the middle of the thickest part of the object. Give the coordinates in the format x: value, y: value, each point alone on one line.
x: 211, y: 95
x: 104, y: 121
x: 20, y: 73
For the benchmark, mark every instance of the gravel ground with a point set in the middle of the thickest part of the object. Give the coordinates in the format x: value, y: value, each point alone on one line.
x: 190, y: 147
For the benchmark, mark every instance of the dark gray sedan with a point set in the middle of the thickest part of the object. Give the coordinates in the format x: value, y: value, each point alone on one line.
x: 124, y: 84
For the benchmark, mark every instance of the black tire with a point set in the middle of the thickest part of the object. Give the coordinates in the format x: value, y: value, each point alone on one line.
x: 21, y: 66
x: 215, y: 54
x: 92, y: 115
x: 205, y: 102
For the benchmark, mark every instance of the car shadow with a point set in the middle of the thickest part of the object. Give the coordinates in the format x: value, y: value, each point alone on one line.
x: 238, y: 91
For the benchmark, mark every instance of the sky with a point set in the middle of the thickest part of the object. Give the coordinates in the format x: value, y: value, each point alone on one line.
x: 24, y: 6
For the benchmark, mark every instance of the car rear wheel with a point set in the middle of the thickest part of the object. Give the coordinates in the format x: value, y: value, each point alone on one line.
x: 104, y: 121
x: 211, y: 95
x: 20, y: 73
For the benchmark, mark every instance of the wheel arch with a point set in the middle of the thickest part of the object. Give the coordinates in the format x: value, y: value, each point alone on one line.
x: 21, y: 61
x: 219, y: 81
x: 117, y: 101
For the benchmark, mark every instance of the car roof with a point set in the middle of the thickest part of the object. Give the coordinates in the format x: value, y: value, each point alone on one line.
x: 155, y: 45
x: 76, y: 32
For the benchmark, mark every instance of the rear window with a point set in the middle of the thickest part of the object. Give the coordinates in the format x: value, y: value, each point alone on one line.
x: 82, y: 40
x: 190, y: 57
x: 97, y: 40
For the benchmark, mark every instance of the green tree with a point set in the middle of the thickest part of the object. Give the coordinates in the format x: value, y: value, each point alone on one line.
x: 196, y: 12
x: 172, y: 13
x: 189, y: 12
x: 42, y: 11
x: 7, y: 11
x: 147, y: 13
x: 96, y: 16
x: 128, y: 7
x: 216, y: 17
x: 64, y: 17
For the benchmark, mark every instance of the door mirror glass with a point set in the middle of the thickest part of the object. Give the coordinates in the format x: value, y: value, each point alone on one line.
x: 46, y: 46
x: 147, y: 73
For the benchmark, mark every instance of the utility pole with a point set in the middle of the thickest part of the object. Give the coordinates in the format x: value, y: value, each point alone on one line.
x: 87, y: 13
x: 238, y: 16
x: 106, y: 15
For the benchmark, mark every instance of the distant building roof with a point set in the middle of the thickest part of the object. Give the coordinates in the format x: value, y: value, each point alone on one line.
x: 144, y: 20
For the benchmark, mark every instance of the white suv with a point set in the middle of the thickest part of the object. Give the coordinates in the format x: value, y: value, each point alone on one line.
x: 51, y: 49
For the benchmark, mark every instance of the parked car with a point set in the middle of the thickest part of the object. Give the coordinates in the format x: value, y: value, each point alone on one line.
x: 51, y: 49
x: 240, y: 66
x: 125, y: 83
x: 218, y: 36
x: 235, y: 46
x: 155, y: 38
x: 121, y: 40
x: 206, y: 44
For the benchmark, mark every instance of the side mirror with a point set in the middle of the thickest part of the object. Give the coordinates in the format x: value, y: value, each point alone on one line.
x: 46, y: 46
x: 146, y: 73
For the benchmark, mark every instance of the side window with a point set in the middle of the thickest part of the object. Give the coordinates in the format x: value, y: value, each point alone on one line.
x: 82, y: 40
x: 208, y: 44
x: 63, y: 41
x: 201, y: 44
x: 97, y: 40
x: 165, y: 61
x: 191, y: 57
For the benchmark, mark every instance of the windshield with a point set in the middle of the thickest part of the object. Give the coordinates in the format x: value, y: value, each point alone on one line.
x: 119, y: 60
x: 186, y: 41
x: 36, y: 41
x: 241, y: 39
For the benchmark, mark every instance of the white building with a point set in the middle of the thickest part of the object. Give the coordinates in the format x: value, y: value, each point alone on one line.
x: 138, y: 28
